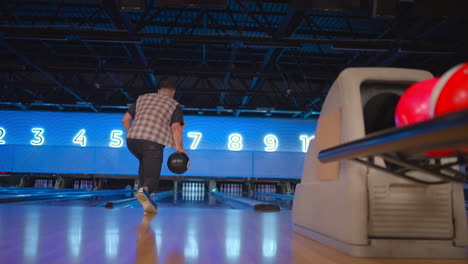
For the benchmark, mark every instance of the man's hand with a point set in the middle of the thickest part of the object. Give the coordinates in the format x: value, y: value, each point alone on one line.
x: 183, y: 151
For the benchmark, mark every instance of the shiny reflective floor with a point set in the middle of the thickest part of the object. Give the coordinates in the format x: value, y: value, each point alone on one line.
x: 59, y: 234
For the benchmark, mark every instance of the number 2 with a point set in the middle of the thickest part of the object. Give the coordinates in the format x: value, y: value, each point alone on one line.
x: 2, y: 135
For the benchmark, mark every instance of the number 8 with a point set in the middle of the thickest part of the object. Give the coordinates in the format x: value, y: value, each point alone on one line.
x: 235, y: 142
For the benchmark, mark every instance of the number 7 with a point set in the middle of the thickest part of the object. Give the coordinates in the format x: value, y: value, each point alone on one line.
x: 196, y: 139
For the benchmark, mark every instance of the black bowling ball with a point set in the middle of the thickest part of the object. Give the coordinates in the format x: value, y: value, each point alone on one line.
x: 178, y: 162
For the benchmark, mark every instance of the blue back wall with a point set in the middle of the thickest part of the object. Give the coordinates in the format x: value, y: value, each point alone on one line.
x: 94, y: 143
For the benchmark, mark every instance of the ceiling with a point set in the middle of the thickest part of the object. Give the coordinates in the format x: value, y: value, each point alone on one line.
x: 232, y: 58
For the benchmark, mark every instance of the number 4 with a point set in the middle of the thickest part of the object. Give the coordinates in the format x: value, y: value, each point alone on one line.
x: 80, y: 138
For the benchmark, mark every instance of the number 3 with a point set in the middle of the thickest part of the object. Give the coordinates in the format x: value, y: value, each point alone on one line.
x: 38, y: 138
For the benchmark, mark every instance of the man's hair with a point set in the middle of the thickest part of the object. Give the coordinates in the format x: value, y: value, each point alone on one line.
x: 167, y: 84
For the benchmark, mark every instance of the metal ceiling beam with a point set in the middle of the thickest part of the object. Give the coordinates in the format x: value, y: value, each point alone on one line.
x: 187, y: 110
x: 289, y: 23
x: 109, y: 74
x: 122, y: 21
x: 157, y: 7
x: 422, y: 32
x: 196, y: 24
x: 230, y: 68
x: 310, y: 113
x: 249, y: 13
x: 143, y: 20
x: 214, y: 70
x: 46, y: 74
x: 287, y: 26
x: 123, y: 36
x: 16, y: 104
x: 244, y: 59
x: 211, y: 90
x: 176, y: 52
x: 286, y: 85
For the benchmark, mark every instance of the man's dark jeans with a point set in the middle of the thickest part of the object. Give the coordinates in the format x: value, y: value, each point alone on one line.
x: 150, y: 157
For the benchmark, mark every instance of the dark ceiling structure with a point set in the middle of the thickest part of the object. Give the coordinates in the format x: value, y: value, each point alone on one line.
x: 231, y: 58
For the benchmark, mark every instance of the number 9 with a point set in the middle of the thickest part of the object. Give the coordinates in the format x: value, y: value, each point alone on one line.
x: 271, y: 141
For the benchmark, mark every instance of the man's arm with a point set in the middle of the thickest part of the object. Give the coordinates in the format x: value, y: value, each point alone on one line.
x: 176, y: 129
x: 127, y: 121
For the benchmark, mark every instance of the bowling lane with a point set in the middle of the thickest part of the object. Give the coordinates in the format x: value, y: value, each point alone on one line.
x: 193, y: 195
x: 52, y: 234
x: 77, y: 200
x: 198, y: 200
x: 285, y: 202
x: 60, y: 197
x: 121, y: 198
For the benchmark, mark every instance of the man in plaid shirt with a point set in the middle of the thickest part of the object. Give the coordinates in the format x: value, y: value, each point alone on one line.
x: 157, y: 122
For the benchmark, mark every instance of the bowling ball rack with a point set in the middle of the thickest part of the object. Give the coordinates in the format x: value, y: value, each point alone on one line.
x: 403, y: 149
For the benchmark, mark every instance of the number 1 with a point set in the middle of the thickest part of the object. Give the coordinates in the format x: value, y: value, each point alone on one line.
x: 305, y: 141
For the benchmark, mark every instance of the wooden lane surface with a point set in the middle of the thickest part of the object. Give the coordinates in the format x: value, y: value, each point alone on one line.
x: 48, y: 234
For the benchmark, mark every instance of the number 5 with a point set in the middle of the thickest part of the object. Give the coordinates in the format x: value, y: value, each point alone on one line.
x: 116, y: 140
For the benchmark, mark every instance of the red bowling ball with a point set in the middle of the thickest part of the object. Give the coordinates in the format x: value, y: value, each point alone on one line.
x: 414, y: 107
x: 451, y: 92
